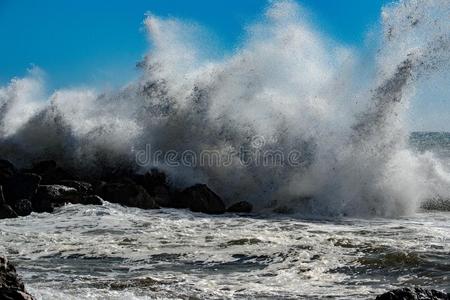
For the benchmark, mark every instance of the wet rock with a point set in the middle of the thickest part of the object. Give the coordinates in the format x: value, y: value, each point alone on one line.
x: 21, y: 186
x: 414, y: 294
x: 44, y: 166
x: 22, y: 207
x: 11, y: 286
x: 82, y: 187
x: 200, y: 198
x: 2, y: 198
x: 49, y: 197
x: 7, y: 170
x: 155, y: 183
x: 126, y: 194
x: 151, y: 179
x: 437, y: 203
x: 50, y: 172
x: 91, y: 200
x: 241, y: 207
x: 162, y: 196
x: 6, y: 211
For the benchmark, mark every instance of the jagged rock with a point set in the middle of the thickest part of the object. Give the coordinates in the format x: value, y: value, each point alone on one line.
x: 155, y: 183
x: 7, y: 170
x: 50, y: 172
x: 199, y: 198
x: 126, y: 194
x: 20, y: 186
x: 414, y: 294
x: 241, y: 207
x: 22, y: 207
x: 11, y: 286
x: 50, y: 196
x: 82, y: 187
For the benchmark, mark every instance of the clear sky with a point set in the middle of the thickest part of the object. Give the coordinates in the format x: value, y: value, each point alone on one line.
x: 91, y: 42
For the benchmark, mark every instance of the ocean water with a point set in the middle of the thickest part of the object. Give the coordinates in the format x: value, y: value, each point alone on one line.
x: 113, y: 252
x: 287, y: 87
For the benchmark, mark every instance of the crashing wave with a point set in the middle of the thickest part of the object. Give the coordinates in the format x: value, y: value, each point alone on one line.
x: 287, y: 87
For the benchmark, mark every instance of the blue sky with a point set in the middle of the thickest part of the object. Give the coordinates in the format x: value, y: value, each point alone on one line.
x: 88, y: 42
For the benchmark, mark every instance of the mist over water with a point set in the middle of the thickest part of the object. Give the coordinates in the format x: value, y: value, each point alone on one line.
x: 287, y: 83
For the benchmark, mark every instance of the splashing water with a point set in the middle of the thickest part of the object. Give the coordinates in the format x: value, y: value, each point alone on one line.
x: 286, y: 83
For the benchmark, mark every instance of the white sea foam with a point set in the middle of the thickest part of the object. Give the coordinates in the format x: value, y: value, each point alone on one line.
x: 114, y: 252
x: 286, y: 83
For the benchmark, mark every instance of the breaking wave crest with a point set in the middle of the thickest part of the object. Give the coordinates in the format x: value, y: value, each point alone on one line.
x: 344, y: 111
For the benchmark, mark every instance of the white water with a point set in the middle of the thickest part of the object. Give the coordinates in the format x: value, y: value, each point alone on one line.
x: 286, y: 83
x: 104, y: 252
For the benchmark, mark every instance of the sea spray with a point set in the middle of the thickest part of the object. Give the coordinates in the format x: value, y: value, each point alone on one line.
x: 287, y: 87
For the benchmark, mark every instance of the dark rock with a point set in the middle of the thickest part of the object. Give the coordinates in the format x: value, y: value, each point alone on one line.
x: 6, y: 212
x: 82, y: 187
x: 414, y: 294
x: 7, y: 170
x: 438, y: 203
x: 91, y: 200
x: 241, y: 207
x: 150, y: 179
x: 127, y: 194
x: 155, y: 183
x: 50, y: 196
x: 44, y: 166
x: 199, y: 198
x: 22, y: 207
x: 11, y: 286
x: 50, y: 172
x: 2, y: 197
x: 21, y: 186
x: 162, y: 196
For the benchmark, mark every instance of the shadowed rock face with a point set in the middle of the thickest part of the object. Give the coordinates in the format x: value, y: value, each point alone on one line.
x: 199, y: 198
x: 22, y: 207
x: 50, y: 172
x: 5, y: 210
x: 11, y: 287
x: 127, y: 194
x: 7, y: 170
x: 414, y: 294
x: 241, y: 207
x: 21, y: 186
x: 46, y: 186
x: 50, y: 196
x: 155, y: 183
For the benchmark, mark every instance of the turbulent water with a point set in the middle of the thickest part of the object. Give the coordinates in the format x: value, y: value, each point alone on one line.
x: 112, y: 252
x: 286, y: 88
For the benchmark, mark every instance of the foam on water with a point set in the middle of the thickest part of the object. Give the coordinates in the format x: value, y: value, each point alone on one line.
x: 113, y: 252
x: 286, y: 83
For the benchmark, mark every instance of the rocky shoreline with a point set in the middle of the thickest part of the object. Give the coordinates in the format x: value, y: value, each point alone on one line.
x: 11, y: 286
x: 46, y: 186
